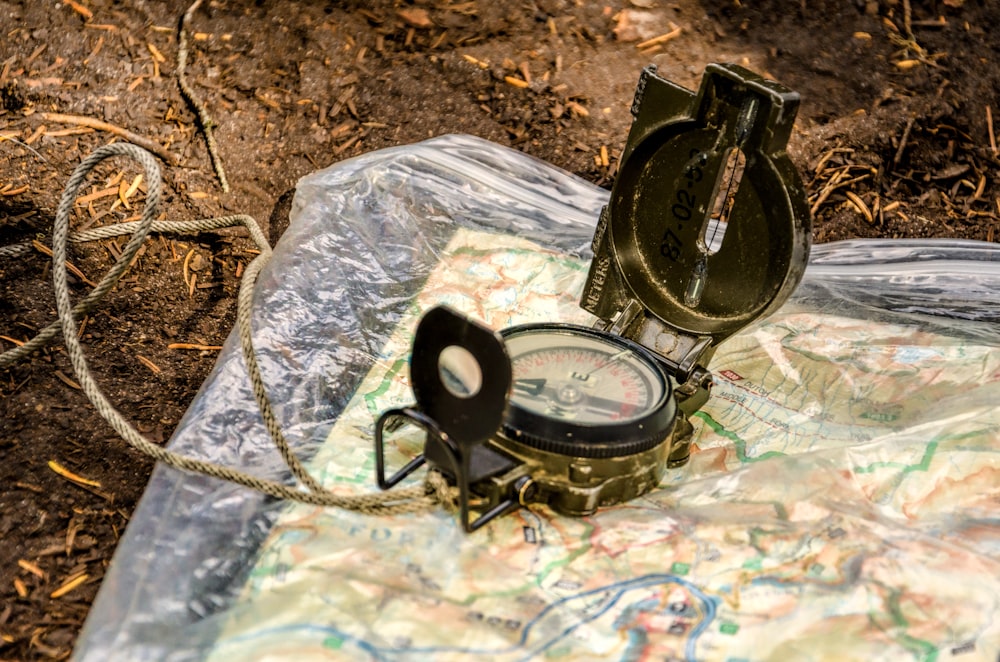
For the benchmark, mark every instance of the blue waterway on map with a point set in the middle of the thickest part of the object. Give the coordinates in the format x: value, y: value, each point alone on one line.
x: 618, y: 589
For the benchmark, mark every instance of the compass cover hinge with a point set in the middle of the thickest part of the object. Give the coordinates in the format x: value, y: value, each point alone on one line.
x: 681, y: 352
x: 623, y: 319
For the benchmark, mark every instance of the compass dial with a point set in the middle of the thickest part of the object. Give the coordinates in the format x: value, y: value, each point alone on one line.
x: 580, y: 391
x: 581, y: 378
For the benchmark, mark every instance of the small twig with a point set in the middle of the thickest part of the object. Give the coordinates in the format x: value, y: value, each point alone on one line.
x: 514, y: 81
x: 662, y: 39
x: 45, y: 250
x: 70, y: 476
x: 902, y: 142
x: 68, y: 585
x: 908, y: 20
x: 96, y: 195
x: 31, y: 567
x: 204, y: 119
x: 149, y: 364
x: 80, y: 9
x: 829, y: 154
x: 13, y: 340
x: 989, y: 128
x: 346, y: 145
x: 832, y: 186
x: 100, y: 125
x: 67, y: 381
x: 194, y: 346
x: 184, y: 268
x: 24, y: 145
x: 860, y: 205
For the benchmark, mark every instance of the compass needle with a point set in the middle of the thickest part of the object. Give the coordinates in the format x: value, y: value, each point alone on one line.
x: 555, y: 371
x: 529, y: 386
x: 611, y: 360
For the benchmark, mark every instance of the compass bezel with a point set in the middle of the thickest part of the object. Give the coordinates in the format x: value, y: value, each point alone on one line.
x: 593, y: 440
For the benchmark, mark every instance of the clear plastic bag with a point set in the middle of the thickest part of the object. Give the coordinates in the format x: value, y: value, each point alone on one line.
x: 842, y: 500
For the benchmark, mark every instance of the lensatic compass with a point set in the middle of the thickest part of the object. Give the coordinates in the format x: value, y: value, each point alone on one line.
x: 707, y: 230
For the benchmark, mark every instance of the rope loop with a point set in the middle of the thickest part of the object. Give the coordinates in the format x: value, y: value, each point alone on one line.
x: 419, y: 498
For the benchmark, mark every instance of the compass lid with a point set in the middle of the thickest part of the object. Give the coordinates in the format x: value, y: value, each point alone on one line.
x: 708, y: 225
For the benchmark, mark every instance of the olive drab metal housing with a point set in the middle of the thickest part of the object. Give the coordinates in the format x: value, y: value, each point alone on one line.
x: 706, y: 230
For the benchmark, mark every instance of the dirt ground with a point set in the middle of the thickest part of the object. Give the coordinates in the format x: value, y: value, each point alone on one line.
x: 894, y: 139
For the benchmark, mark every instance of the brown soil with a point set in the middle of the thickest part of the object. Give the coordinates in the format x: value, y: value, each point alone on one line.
x: 894, y: 115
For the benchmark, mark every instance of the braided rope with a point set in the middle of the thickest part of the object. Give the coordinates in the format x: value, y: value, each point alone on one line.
x: 415, y: 499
